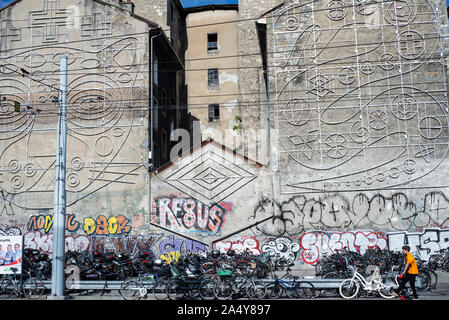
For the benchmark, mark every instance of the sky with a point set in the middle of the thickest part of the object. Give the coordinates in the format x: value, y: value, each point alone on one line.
x: 6, y: 2
x: 185, y: 3
x: 196, y: 3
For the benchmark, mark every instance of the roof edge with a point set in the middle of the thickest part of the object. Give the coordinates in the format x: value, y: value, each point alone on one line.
x: 211, y: 7
x: 10, y: 5
x: 201, y: 145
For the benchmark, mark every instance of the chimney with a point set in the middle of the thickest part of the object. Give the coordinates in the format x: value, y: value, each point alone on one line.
x: 127, y: 5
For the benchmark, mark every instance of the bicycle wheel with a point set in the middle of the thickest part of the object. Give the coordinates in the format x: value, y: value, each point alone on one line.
x: 349, y: 289
x: 274, y: 291
x: 131, y: 290
x: 206, y: 289
x: 256, y: 290
x: 7, y: 288
x: 433, y: 278
x: 425, y: 281
x: 33, y: 288
x: 159, y: 290
x: 290, y: 290
x: 223, y: 289
x: 386, y: 292
x: 305, y: 290
x: 177, y: 289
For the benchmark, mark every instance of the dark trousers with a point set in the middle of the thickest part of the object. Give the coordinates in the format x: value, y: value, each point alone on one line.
x: 408, y: 278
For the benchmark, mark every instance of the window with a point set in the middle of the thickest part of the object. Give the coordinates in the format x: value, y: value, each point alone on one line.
x: 212, y: 41
x: 214, y: 113
x: 212, y: 78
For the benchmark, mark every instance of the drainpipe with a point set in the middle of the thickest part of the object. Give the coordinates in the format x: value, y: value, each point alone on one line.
x: 150, y: 165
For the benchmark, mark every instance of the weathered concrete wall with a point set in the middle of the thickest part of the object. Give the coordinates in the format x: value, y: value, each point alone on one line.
x: 359, y: 98
x: 107, y: 122
x: 225, y: 59
x: 359, y: 141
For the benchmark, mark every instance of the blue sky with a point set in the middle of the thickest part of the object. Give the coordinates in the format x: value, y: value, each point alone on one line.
x: 195, y: 3
x: 185, y: 3
x: 4, y: 3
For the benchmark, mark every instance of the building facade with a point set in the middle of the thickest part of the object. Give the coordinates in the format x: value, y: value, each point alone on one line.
x: 346, y: 102
x: 110, y: 128
x: 212, y: 68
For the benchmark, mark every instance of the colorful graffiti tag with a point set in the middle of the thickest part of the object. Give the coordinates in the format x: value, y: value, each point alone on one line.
x: 172, y: 247
x: 315, y: 244
x: 240, y: 245
x: 102, y: 225
x: 189, y: 215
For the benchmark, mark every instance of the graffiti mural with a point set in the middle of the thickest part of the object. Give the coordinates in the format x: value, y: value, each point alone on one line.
x: 424, y: 243
x: 131, y: 245
x: 102, y: 225
x: 44, y: 241
x: 346, y: 212
x: 44, y: 222
x: 282, y: 248
x: 239, y: 245
x: 188, y: 215
x: 172, y: 247
x: 107, y: 226
x: 315, y: 245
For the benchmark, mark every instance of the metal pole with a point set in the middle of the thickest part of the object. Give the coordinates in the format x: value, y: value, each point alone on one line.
x: 151, y: 161
x: 58, y: 272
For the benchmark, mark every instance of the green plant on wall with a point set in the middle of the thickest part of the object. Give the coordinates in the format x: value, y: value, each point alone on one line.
x: 238, y: 128
x: 239, y: 124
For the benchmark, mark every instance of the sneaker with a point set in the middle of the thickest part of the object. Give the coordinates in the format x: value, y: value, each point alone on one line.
x: 402, y: 298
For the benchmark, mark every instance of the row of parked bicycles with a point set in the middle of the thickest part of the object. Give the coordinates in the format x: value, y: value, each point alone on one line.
x: 216, y: 275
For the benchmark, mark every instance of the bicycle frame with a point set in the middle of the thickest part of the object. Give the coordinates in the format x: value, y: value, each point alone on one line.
x: 374, y: 284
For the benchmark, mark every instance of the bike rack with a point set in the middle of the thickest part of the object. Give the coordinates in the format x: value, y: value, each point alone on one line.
x: 318, y: 283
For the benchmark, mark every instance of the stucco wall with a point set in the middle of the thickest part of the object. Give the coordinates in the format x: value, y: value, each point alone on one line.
x: 358, y: 161
x: 106, y: 179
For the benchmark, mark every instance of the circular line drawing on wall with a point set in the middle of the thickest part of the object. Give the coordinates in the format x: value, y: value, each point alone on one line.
x: 97, y: 104
x: 297, y: 112
x: 335, y: 146
x: 14, y: 119
x: 346, y: 75
x: 410, y: 44
x: 378, y: 119
x: 291, y: 23
x: 430, y: 127
x: 399, y: 12
x: 104, y: 146
x: 404, y: 106
x: 336, y: 10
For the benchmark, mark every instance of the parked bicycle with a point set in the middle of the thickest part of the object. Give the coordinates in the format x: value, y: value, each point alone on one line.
x: 229, y: 285
x: 351, y: 287
x: 23, y: 286
x: 136, y: 289
x: 291, y: 286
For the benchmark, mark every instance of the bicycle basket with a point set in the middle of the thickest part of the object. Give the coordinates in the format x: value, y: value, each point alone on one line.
x: 174, y: 271
x: 224, y: 273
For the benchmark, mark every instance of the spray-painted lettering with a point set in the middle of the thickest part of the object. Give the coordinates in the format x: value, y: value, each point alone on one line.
x: 189, y: 215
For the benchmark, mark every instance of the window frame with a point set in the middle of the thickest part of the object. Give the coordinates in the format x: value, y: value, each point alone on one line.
x: 213, y: 78
x: 214, y: 47
x: 213, y: 112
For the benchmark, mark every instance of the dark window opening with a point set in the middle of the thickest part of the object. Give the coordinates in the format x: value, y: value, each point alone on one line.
x: 212, y: 41
x: 214, y: 113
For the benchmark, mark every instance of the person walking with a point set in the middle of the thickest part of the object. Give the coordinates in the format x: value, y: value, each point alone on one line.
x: 409, y: 274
